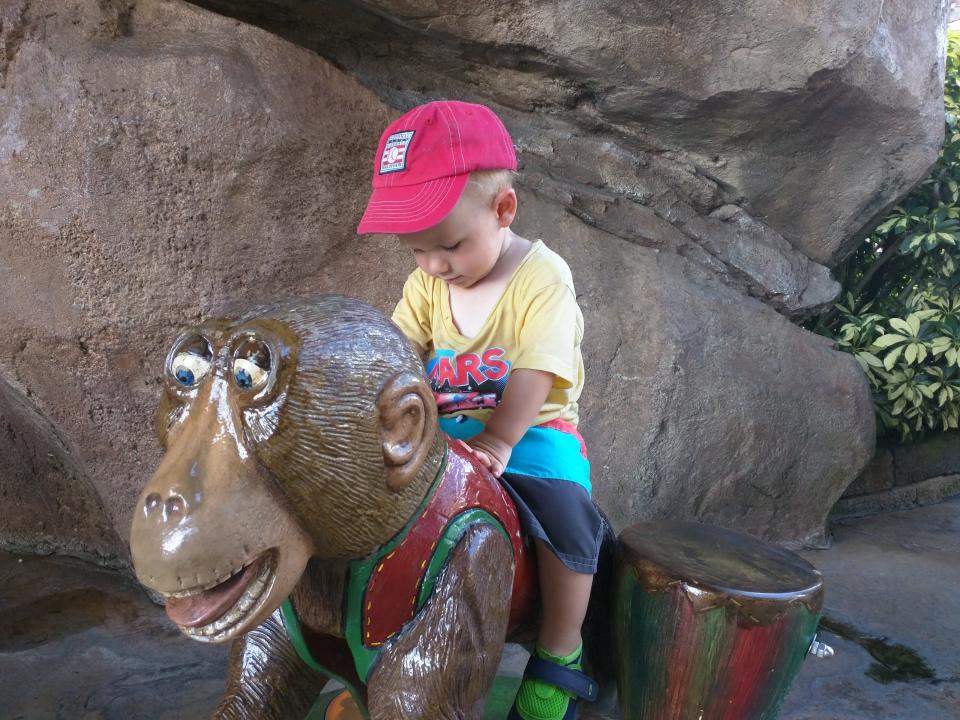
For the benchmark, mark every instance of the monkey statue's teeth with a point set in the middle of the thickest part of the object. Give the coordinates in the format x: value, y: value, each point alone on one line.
x: 235, y: 613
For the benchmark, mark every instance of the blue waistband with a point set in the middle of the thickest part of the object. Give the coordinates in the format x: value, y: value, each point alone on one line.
x: 541, y: 452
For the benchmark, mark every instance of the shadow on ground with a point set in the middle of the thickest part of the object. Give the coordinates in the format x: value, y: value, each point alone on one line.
x: 78, y: 642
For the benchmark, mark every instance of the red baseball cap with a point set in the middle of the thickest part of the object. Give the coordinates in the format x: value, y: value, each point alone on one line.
x: 424, y: 161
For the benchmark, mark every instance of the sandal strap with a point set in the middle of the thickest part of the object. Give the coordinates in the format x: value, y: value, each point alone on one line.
x: 561, y: 676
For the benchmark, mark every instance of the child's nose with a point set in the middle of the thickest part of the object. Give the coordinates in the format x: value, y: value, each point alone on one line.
x: 438, y: 266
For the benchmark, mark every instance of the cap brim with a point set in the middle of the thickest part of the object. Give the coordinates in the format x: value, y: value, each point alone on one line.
x: 411, y: 208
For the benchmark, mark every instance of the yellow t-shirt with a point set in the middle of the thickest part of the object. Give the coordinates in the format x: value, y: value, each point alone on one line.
x: 536, y: 324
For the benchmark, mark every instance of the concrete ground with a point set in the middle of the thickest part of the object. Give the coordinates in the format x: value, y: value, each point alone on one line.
x: 893, y: 603
x: 82, y: 644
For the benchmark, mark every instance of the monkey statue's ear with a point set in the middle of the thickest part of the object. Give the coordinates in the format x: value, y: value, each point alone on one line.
x: 408, y: 424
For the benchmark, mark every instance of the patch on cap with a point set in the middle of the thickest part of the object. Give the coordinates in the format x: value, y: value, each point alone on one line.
x: 394, y: 156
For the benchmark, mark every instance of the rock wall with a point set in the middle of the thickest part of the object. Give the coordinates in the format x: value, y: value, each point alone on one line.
x: 904, y: 476
x: 49, y: 503
x: 160, y: 163
x: 157, y: 163
x: 814, y: 116
x: 701, y: 404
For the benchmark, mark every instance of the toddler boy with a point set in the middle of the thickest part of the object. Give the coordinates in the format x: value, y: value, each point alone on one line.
x: 496, y: 318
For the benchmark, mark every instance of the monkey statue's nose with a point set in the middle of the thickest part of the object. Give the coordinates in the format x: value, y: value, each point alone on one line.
x: 171, y: 509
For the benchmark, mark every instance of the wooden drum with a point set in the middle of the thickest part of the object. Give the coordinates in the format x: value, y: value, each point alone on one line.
x: 710, y: 624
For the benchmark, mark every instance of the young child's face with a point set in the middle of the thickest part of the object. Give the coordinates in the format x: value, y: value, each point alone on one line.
x: 464, y: 247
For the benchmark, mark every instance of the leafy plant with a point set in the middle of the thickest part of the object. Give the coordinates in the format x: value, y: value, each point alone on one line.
x: 900, y: 314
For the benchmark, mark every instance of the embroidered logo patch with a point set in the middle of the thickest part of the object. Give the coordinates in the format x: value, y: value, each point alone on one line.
x: 394, y: 156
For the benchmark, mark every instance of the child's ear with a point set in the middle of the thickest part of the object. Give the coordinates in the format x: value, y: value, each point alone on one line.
x: 505, y: 205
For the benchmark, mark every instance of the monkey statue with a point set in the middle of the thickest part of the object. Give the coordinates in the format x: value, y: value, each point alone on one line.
x: 309, y: 510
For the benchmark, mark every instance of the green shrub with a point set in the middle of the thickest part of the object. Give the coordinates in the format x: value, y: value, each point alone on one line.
x: 901, y: 312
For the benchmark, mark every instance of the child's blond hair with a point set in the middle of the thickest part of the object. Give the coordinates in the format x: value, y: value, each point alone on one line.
x: 485, y: 184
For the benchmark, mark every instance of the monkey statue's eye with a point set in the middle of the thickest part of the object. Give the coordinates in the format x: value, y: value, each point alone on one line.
x: 190, y: 360
x: 251, y: 364
x: 189, y: 368
x: 248, y: 374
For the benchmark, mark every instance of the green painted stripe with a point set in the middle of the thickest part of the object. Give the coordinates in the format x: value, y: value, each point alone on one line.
x: 359, y: 575
x: 714, y: 647
x: 360, y: 571
x: 451, y: 536
x: 292, y: 625
x: 790, y: 659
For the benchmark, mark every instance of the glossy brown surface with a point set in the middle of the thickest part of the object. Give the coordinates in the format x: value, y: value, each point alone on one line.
x: 444, y: 664
x: 333, y: 442
x: 299, y: 436
x: 390, y: 595
x: 279, y: 428
x: 267, y: 680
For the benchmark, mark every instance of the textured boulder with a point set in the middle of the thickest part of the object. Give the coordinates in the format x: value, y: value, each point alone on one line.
x: 815, y: 116
x: 157, y: 162
x: 160, y: 164
x: 49, y: 505
x: 701, y: 404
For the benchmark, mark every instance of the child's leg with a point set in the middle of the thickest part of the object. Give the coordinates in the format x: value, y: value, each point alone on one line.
x: 564, y: 596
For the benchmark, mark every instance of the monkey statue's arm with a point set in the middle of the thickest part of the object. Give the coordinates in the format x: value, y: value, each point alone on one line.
x: 443, y: 664
x: 267, y: 679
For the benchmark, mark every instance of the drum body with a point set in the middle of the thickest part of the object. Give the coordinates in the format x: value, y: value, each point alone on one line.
x: 710, y: 624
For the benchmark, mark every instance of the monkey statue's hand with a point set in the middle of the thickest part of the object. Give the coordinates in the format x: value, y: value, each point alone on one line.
x: 490, y: 450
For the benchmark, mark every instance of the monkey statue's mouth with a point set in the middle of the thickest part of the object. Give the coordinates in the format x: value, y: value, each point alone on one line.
x: 211, y: 613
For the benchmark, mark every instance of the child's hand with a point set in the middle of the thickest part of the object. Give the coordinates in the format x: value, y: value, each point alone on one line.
x: 490, y: 450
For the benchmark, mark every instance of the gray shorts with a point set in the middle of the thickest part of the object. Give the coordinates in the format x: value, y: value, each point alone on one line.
x: 561, y: 514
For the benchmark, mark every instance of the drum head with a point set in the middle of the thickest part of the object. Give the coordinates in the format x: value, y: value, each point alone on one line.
x: 718, y: 560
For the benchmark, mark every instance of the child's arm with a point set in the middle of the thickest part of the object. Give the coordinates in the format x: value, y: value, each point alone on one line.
x: 522, y: 400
